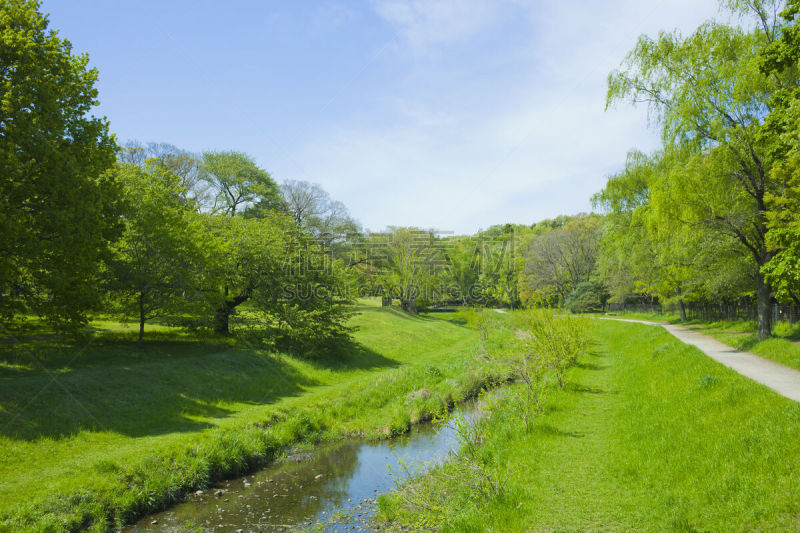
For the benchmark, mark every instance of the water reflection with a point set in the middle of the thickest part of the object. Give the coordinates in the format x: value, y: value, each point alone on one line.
x: 333, y: 489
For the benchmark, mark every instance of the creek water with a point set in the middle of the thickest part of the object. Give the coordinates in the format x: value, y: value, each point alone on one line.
x: 332, y: 489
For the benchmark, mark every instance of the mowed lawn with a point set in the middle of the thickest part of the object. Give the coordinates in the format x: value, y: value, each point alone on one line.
x: 648, y: 435
x: 113, y: 430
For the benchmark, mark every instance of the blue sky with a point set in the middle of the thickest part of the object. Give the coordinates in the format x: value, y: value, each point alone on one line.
x: 445, y: 114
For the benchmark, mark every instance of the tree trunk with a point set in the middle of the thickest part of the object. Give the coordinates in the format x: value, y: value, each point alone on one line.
x: 222, y: 319
x: 409, y: 306
x: 764, y: 311
x: 223, y: 315
x: 141, y: 319
x: 682, y: 307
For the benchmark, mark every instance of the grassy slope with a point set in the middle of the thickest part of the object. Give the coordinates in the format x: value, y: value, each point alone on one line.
x: 783, y: 347
x: 650, y: 435
x: 106, y: 430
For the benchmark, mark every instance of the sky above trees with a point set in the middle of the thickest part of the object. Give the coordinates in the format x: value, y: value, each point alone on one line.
x: 441, y: 114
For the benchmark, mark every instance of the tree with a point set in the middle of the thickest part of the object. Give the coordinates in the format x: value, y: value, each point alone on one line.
x: 236, y: 183
x: 408, y: 260
x: 587, y: 297
x: 183, y: 164
x: 782, y: 58
x: 651, y: 247
x: 464, y: 261
x: 248, y: 256
x: 559, y: 259
x: 709, y: 96
x: 498, y: 278
x: 282, y: 273
x: 157, y: 262
x: 313, y: 209
x: 57, y: 204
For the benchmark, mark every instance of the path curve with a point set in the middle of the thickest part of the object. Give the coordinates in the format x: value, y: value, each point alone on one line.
x: 780, y: 378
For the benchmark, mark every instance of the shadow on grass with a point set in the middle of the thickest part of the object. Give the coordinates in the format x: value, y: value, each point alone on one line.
x: 343, y: 354
x: 57, y: 388
x: 576, y: 387
x: 549, y: 429
x: 590, y: 366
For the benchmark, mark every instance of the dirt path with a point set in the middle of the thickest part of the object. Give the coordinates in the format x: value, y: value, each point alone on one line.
x: 782, y: 379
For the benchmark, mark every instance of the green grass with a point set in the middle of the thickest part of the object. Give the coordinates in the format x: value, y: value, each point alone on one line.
x: 783, y: 347
x: 94, y: 434
x: 649, y: 435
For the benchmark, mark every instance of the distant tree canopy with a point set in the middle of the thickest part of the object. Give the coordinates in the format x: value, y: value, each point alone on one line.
x: 557, y: 260
x: 237, y: 184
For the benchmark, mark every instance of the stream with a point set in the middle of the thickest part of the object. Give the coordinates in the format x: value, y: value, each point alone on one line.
x: 334, y: 488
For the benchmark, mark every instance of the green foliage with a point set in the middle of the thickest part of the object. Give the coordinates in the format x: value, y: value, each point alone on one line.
x: 157, y: 265
x: 293, y: 289
x: 57, y: 203
x: 586, y: 297
x: 471, y: 469
x: 783, y: 123
x: 707, y: 189
x: 236, y: 182
x: 556, y: 261
x: 464, y: 259
x: 407, y: 265
x: 558, y: 339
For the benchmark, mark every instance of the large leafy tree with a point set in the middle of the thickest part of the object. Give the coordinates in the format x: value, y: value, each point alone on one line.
x: 57, y: 203
x: 248, y: 256
x: 290, y: 285
x: 710, y: 97
x: 499, y: 267
x: 782, y: 59
x: 157, y: 264
x: 650, y: 245
x: 464, y: 267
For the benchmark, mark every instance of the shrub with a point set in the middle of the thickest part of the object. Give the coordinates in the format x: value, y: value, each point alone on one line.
x: 586, y: 297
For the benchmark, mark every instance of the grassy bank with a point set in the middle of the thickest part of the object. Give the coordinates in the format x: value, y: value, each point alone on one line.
x: 783, y: 347
x: 648, y: 435
x: 95, y: 434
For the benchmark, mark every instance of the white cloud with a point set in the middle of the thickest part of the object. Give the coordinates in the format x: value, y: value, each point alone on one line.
x: 426, y: 22
x: 529, y: 141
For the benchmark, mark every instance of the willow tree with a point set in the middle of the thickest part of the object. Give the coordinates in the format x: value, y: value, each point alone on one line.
x: 782, y: 58
x: 709, y: 96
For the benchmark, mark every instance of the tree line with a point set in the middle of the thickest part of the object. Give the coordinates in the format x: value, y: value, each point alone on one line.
x: 150, y: 231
